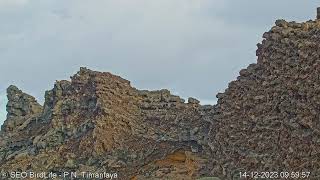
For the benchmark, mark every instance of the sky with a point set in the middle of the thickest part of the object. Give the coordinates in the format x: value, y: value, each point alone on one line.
x: 191, y: 47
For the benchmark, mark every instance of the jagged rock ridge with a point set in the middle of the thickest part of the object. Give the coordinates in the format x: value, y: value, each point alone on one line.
x: 266, y: 121
x: 98, y: 122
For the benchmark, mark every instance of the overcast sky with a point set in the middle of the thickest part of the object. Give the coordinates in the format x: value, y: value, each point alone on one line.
x: 192, y: 47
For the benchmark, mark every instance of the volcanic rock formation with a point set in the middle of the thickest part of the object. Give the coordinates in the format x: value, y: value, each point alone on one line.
x: 99, y: 123
x: 268, y: 120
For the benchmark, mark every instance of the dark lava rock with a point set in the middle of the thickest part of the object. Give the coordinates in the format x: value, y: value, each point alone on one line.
x: 20, y: 108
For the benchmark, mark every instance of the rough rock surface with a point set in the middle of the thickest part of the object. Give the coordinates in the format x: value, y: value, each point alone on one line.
x: 268, y: 119
x: 21, y: 107
x: 99, y: 123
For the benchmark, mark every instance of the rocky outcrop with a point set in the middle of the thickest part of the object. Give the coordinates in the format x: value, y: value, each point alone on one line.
x: 21, y: 109
x: 98, y: 122
x: 268, y: 119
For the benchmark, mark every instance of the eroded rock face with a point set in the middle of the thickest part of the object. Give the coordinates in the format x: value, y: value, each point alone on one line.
x: 97, y: 122
x: 268, y: 119
x: 21, y: 107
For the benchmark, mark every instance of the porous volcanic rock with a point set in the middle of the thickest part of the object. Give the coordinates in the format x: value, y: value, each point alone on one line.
x: 21, y: 107
x: 98, y: 123
x: 268, y: 119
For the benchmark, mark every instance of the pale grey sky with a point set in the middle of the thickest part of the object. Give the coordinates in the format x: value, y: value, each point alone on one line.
x: 192, y: 47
